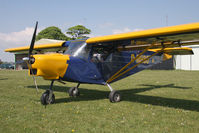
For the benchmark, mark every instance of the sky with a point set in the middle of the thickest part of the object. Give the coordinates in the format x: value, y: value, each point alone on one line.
x: 103, y: 17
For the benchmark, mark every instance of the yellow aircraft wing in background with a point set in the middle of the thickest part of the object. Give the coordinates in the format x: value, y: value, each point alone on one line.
x: 39, y: 47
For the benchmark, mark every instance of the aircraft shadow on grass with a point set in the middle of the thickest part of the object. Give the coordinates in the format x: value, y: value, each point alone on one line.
x: 3, y: 78
x: 130, y: 95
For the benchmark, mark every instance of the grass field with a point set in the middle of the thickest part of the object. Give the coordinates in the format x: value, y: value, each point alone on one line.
x: 152, y: 102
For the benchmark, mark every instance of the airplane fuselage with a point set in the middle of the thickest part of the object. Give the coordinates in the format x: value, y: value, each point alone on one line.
x: 85, y: 63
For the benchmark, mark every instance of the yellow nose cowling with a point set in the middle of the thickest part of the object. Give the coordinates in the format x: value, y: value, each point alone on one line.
x: 50, y: 66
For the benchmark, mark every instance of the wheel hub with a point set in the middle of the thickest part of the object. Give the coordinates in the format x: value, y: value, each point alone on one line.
x: 117, y: 97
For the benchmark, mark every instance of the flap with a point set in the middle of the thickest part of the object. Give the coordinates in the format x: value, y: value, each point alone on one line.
x: 175, y: 51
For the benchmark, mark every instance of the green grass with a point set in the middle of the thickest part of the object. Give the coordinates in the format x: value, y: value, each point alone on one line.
x: 152, y: 102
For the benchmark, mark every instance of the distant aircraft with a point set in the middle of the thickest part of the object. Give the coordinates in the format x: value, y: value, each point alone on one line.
x: 106, y: 59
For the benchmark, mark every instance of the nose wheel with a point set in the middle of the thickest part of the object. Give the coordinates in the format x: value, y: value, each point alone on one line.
x: 48, y: 97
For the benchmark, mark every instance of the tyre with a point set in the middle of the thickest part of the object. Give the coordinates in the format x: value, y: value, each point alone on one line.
x: 114, y: 96
x: 45, y: 98
x: 73, y: 92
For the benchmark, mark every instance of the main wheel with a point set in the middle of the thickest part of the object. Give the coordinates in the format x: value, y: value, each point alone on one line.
x: 73, y: 92
x: 114, y: 96
x: 45, y: 98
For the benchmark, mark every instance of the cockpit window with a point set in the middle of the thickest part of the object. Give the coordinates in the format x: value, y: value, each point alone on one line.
x: 100, y: 52
x: 78, y: 49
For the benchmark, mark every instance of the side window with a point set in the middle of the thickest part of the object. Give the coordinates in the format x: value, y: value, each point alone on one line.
x: 100, y: 53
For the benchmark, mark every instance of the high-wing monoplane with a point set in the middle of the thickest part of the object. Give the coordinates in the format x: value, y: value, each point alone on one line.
x: 107, y: 59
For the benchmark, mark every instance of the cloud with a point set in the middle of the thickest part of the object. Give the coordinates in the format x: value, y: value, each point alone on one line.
x: 124, y: 30
x: 14, y: 39
x: 138, y: 29
x: 105, y: 25
x: 17, y: 37
x: 95, y: 35
x: 117, y: 31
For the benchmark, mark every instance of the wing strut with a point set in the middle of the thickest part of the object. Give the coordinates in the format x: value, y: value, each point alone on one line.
x: 120, y: 73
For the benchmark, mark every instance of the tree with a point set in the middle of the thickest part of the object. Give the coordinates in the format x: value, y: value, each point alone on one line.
x: 52, y: 33
x: 0, y: 62
x: 78, y: 32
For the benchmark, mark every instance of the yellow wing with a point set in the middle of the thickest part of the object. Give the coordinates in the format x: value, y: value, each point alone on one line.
x: 170, y: 38
x: 184, y: 32
x: 38, y: 48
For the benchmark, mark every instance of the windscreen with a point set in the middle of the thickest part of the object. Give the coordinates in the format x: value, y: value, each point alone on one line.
x: 78, y: 49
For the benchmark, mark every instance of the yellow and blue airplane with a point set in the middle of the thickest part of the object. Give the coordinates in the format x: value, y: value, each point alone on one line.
x: 107, y: 59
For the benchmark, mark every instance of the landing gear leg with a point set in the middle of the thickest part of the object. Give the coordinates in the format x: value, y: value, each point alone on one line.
x: 74, y: 91
x: 114, y: 96
x: 48, y: 97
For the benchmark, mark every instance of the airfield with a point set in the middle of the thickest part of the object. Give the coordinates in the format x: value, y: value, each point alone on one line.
x: 152, y: 102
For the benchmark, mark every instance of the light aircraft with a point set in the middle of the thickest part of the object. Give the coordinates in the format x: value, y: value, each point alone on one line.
x: 107, y: 59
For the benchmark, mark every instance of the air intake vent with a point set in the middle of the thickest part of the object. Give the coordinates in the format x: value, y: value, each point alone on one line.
x: 33, y: 72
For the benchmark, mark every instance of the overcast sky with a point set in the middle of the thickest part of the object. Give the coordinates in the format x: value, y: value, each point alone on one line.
x: 103, y: 17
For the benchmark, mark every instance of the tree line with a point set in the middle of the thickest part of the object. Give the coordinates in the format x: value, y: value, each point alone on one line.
x: 52, y: 32
x: 75, y: 32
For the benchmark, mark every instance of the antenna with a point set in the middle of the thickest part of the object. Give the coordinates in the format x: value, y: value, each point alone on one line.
x: 166, y: 20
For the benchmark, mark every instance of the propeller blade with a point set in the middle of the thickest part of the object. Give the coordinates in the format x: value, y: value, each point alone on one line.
x: 33, y: 41
x: 30, y: 53
x: 35, y: 84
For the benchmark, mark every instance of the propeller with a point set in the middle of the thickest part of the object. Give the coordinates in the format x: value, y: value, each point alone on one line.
x: 32, y: 42
x: 30, y: 59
